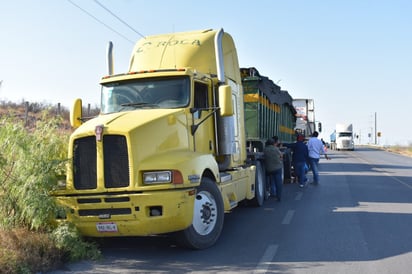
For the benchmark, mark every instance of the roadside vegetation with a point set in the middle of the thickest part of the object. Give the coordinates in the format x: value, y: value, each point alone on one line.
x: 32, y: 159
x: 404, y: 150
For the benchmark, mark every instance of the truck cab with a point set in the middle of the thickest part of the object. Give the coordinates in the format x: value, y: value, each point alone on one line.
x: 344, y: 137
x: 167, y: 153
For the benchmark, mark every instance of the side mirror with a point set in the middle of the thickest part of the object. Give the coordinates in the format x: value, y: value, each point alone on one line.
x: 225, y: 100
x: 76, y: 113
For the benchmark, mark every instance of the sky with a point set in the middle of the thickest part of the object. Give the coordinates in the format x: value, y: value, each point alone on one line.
x: 353, y: 57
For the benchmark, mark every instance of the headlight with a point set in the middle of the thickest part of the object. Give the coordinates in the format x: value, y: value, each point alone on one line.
x: 157, y: 177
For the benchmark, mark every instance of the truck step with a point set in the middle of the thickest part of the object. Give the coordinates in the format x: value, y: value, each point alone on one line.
x: 225, y: 177
x: 233, y: 204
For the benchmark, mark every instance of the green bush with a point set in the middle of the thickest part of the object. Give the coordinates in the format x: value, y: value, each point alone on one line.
x: 67, y: 237
x: 32, y: 160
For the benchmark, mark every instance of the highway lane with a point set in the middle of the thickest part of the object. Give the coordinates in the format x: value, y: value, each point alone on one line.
x: 357, y: 220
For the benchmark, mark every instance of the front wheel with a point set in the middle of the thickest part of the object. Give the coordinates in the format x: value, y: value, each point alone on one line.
x: 208, y: 217
x: 260, y: 185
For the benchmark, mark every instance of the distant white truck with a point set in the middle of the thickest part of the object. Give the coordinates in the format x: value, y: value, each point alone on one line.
x: 343, y: 137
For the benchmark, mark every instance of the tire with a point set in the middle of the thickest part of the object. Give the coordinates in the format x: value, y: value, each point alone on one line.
x: 260, y: 185
x: 267, y: 183
x: 208, y: 218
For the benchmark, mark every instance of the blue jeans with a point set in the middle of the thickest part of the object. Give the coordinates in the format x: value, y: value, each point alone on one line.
x: 276, y: 183
x: 314, y: 165
x: 300, y: 172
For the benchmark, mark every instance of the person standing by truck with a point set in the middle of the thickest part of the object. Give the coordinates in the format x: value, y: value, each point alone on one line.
x: 300, y: 158
x: 315, y: 148
x: 273, y: 165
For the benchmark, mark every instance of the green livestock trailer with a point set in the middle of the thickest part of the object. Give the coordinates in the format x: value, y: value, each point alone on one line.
x: 269, y: 112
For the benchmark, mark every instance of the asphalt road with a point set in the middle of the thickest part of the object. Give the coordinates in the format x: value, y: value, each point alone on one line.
x: 357, y: 220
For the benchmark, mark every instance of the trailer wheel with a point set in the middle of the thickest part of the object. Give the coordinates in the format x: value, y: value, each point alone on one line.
x: 208, y: 217
x: 260, y: 185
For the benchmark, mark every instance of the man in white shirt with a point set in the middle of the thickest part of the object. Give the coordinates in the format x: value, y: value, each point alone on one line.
x: 316, y: 148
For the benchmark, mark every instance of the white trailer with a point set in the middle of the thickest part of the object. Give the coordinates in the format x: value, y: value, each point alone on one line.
x: 305, y: 116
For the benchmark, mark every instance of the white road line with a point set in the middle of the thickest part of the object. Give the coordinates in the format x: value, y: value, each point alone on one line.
x: 266, y: 259
x: 399, y: 181
x: 288, y: 217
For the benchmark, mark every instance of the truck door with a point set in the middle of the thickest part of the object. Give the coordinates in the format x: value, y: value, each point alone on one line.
x: 203, y: 137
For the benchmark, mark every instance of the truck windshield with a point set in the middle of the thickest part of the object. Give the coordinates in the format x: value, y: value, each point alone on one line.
x: 171, y: 92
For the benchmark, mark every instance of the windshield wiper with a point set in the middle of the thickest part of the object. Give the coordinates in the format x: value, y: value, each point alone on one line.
x: 139, y: 104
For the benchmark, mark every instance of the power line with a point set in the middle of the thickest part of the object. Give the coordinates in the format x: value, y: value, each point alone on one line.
x: 101, y: 22
x: 109, y: 11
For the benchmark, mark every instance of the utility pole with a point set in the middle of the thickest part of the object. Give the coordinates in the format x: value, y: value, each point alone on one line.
x: 376, y: 131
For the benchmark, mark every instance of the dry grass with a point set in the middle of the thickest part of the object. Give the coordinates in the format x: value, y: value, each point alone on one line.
x: 23, y: 251
x: 404, y: 150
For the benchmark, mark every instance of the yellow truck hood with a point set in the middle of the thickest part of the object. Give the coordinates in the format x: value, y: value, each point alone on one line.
x: 125, y: 122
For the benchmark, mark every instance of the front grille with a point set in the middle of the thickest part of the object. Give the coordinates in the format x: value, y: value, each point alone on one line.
x: 84, y: 163
x: 116, y: 161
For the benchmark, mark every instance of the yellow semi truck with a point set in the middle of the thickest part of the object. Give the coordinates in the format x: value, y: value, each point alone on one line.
x: 168, y: 153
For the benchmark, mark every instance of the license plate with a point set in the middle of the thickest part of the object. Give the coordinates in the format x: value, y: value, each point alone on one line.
x: 106, y: 227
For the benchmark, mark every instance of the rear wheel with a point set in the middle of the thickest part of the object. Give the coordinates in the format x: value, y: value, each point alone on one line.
x: 208, y: 217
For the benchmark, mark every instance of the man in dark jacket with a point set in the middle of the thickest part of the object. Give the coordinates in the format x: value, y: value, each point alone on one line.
x: 274, y: 165
x: 300, y: 158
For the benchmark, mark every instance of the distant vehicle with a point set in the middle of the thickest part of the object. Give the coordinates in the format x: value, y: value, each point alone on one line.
x: 305, y: 117
x: 342, y: 137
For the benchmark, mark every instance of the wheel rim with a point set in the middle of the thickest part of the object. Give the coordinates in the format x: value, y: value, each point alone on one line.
x: 205, y: 218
